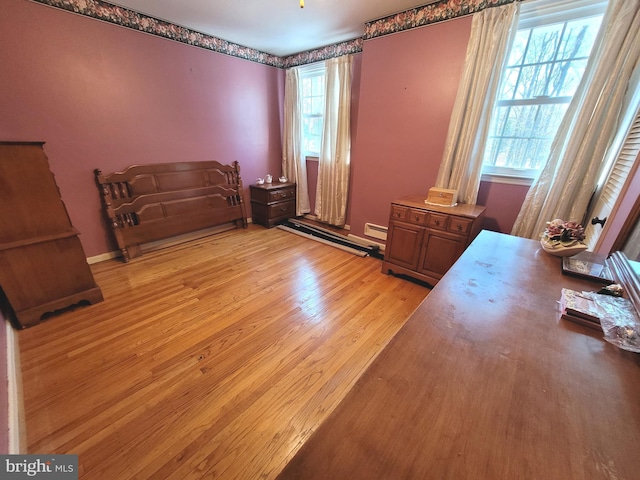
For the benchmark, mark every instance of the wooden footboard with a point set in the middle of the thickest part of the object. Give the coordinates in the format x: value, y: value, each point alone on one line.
x: 146, y: 203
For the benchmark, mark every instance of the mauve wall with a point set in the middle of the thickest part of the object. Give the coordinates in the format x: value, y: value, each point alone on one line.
x: 103, y: 96
x: 408, y: 86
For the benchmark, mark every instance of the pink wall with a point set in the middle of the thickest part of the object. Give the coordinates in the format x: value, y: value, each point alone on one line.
x: 407, y: 90
x: 408, y: 86
x: 103, y: 96
x: 503, y: 203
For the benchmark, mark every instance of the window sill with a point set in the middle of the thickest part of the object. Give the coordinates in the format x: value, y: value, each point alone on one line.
x: 506, y: 179
x: 311, y: 158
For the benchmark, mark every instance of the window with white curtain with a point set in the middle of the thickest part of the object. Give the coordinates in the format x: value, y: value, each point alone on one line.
x: 312, y: 92
x: 543, y: 69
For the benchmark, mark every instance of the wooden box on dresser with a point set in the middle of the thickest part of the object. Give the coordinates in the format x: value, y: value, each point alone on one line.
x: 43, y: 267
x: 272, y: 203
x: 424, y: 241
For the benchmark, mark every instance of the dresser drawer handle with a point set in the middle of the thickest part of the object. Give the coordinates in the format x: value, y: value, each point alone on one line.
x: 437, y: 222
x: 283, y: 209
x: 459, y: 227
x: 417, y: 218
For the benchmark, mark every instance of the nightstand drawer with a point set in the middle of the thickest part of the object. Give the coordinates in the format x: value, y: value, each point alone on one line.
x: 281, y: 194
x: 286, y: 209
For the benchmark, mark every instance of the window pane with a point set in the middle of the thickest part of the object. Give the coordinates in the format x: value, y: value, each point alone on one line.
x: 533, y: 81
x: 578, y: 38
x: 543, y: 44
x: 519, y: 48
x: 306, y: 87
x: 523, y: 135
x: 312, y: 104
x: 317, y: 85
x: 510, y: 83
x: 565, y: 78
x: 306, y: 106
x: 317, y: 107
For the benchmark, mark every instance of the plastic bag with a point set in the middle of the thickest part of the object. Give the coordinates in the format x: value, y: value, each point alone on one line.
x: 619, y: 321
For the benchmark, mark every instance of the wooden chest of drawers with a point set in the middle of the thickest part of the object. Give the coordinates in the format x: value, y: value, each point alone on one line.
x: 424, y: 241
x: 273, y: 203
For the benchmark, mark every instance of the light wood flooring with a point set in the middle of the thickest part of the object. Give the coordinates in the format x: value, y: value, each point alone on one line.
x: 216, y: 358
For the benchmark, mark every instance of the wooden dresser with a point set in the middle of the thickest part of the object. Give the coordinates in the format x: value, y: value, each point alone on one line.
x: 43, y: 267
x: 485, y: 381
x: 273, y: 203
x: 424, y: 241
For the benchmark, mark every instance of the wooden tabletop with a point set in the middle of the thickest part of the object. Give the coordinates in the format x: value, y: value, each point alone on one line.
x: 485, y: 381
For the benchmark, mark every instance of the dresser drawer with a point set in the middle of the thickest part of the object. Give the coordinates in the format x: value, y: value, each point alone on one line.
x: 460, y: 225
x: 399, y: 213
x: 437, y: 221
x: 409, y: 215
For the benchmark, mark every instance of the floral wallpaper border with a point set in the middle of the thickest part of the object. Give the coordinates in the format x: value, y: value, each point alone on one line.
x: 330, y: 51
x: 416, y: 17
x: 420, y: 16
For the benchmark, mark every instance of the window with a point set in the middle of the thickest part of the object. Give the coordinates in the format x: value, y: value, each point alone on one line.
x: 312, y: 91
x: 545, y: 65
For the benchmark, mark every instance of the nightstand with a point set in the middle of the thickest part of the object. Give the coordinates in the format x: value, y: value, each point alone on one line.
x: 272, y: 203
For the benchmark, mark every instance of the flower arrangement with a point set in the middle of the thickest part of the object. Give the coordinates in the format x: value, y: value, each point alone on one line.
x: 559, y: 232
x: 563, y: 239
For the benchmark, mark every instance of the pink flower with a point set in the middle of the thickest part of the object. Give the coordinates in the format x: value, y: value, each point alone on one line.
x: 563, y: 232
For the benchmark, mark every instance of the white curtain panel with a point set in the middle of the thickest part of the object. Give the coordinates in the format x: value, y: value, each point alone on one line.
x: 335, y: 152
x: 492, y: 32
x: 568, y: 180
x: 294, y: 165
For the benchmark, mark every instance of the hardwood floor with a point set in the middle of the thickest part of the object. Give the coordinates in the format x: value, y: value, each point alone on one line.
x: 212, y: 359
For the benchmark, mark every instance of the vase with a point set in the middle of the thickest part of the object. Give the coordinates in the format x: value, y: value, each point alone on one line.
x: 559, y: 250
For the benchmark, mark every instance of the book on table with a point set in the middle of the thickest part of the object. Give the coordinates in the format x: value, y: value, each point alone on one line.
x: 579, y: 308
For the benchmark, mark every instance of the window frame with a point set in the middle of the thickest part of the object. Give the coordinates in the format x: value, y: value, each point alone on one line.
x: 536, y: 14
x: 305, y: 72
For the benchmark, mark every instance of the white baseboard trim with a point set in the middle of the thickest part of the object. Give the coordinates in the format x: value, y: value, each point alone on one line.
x: 168, y: 242
x: 17, y: 428
x: 310, y: 216
x: 103, y: 257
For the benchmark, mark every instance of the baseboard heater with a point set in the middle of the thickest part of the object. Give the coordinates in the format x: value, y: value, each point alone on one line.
x: 375, y: 231
x: 331, y: 238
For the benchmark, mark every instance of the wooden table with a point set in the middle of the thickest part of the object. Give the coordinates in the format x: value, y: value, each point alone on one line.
x: 486, y: 382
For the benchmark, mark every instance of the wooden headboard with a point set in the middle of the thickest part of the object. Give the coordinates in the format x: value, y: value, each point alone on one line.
x: 146, y: 203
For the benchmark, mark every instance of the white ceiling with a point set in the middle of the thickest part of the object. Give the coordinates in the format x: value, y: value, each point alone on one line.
x: 278, y: 27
